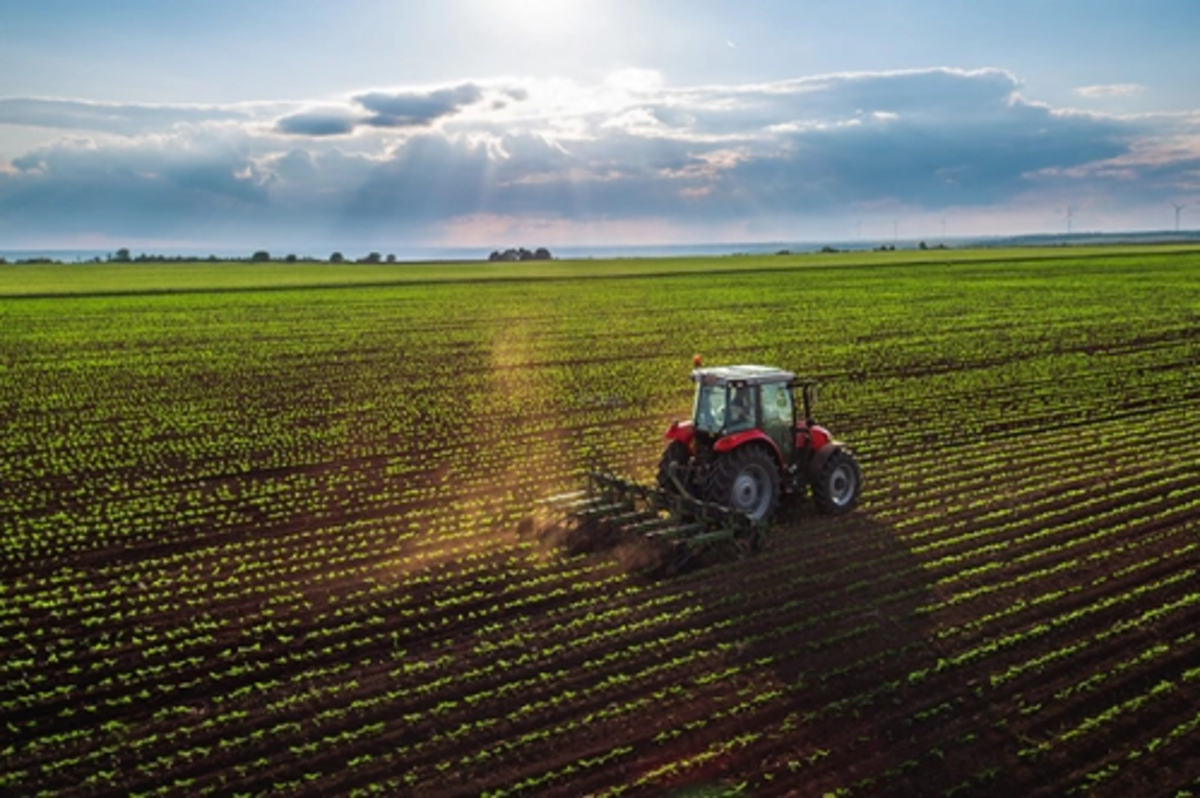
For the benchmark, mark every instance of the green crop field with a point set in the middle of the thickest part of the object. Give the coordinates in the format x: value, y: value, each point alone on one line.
x: 203, y: 276
x: 263, y: 530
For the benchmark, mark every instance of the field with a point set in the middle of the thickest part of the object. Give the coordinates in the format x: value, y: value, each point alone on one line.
x: 262, y: 531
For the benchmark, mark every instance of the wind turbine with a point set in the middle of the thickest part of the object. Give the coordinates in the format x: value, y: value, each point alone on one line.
x: 1070, y: 216
x: 1178, y: 209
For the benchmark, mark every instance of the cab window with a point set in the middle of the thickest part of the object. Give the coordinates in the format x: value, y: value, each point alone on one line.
x: 741, y: 408
x: 777, y: 405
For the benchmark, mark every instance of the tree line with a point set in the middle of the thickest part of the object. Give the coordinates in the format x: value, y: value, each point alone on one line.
x: 124, y: 255
x: 541, y: 253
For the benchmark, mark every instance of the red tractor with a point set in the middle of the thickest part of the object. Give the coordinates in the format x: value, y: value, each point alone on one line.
x: 723, y: 473
x: 747, y: 444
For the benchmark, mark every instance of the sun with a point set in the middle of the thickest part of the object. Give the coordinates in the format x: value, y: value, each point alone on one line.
x: 537, y: 18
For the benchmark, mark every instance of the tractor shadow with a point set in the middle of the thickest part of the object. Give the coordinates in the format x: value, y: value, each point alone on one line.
x: 831, y: 624
x: 828, y: 615
x: 833, y: 589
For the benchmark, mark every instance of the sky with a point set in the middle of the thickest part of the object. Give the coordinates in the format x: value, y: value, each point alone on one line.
x: 305, y: 125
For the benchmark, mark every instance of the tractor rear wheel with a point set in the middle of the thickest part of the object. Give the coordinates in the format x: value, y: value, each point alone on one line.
x: 677, y: 455
x: 836, y: 489
x: 746, y: 480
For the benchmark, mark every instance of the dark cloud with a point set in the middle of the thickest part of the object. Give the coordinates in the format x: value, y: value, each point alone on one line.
x: 971, y: 160
x: 416, y: 109
x: 71, y: 188
x: 318, y: 123
x: 391, y: 110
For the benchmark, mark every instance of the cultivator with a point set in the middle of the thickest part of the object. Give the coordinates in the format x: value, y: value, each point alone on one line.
x: 670, y: 526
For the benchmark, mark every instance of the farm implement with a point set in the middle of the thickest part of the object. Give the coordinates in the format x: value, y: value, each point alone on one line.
x: 671, y: 526
x: 724, y: 472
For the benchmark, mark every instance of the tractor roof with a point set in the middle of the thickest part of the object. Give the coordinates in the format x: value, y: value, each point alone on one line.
x: 750, y: 375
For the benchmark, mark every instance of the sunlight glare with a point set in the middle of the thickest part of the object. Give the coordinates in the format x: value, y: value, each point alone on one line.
x: 536, y: 18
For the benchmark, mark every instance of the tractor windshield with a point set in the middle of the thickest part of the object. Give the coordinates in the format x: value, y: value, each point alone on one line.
x: 724, y: 408
x: 709, y: 413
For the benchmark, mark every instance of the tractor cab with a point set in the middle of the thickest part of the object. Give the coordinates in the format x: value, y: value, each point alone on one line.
x: 737, y: 399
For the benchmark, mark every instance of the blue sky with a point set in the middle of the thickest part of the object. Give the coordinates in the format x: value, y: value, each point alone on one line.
x: 360, y: 124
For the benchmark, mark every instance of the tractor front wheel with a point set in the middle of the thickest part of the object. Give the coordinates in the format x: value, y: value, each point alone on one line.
x: 836, y: 488
x: 746, y: 480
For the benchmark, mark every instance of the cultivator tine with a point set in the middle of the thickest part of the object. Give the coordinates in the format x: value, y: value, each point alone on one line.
x: 566, y: 498
x: 676, y: 532
x: 652, y: 526
x: 604, y: 511
x: 631, y: 518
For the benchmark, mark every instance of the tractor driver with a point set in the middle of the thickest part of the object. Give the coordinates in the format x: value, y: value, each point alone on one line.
x: 741, y: 413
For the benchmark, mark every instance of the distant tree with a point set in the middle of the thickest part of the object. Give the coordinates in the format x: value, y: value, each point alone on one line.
x: 121, y: 255
x: 828, y: 249
x: 336, y: 258
x: 3, y: 261
x: 260, y: 256
x: 290, y: 259
x: 922, y: 246
x: 374, y: 257
x: 391, y: 258
x: 521, y: 254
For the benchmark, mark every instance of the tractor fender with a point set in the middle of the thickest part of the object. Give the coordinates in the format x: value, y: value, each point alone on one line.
x: 821, y: 457
x: 739, y: 439
x: 813, y: 436
x: 681, y: 431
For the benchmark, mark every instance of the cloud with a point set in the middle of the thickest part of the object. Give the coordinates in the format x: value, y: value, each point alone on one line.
x: 792, y: 156
x: 167, y: 186
x: 416, y: 109
x: 392, y: 110
x: 1109, y: 90
x: 318, y: 122
x: 379, y: 109
x: 120, y: 118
